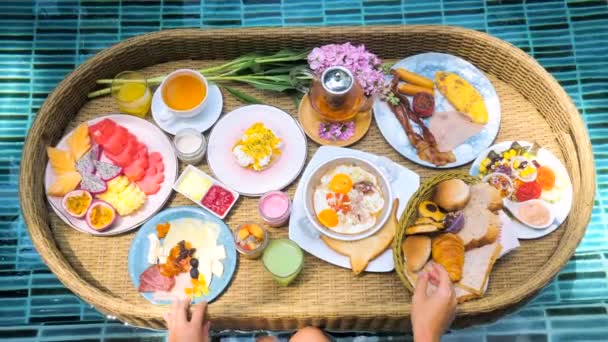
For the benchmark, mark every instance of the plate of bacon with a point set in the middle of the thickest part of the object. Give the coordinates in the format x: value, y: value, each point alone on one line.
x: 438, y: 110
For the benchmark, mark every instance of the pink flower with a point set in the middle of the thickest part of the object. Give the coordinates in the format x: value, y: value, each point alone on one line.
x: 363, y: 64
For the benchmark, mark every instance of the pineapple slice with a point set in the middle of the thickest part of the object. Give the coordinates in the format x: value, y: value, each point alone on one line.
x: 124, y: 195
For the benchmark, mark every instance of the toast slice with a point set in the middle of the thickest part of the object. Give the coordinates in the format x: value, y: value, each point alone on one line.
x: 485, y: 195
x: 361, y: 252
x: 481, y: 222
x: 478, y: 264
x: 481, y: 227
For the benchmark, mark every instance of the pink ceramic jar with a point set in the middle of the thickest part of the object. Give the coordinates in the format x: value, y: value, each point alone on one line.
x: 275, y: 208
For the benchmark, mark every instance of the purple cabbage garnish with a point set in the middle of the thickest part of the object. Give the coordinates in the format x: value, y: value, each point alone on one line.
x: 454, y: 222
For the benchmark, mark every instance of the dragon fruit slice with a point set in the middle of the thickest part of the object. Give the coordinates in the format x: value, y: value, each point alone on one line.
x: 95, y: 152
x: 107, y: 171
x: 93, y: 184
x: 85, y: 164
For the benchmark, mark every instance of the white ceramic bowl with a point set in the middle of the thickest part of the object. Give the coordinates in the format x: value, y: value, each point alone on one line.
x: 313, y: 181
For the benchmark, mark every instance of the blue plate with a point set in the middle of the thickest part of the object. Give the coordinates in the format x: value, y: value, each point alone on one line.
x: 138, y: 253
x: 427, y: 64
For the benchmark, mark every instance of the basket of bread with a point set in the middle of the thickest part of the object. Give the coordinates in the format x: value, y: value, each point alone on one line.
x: 452, y: 220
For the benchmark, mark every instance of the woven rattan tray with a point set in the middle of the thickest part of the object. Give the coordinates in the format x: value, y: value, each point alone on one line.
x: 534, y: 108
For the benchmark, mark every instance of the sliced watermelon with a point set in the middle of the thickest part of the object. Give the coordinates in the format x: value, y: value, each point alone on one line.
x: 151, y: 170
x: 155, y: 157
x: 134, y: 172
x: 126, y: 156
x: 117, y: 141
x: 148, y: 186
x: 102, y: 131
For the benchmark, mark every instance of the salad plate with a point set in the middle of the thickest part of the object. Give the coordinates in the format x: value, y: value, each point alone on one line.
x: 527, y: 174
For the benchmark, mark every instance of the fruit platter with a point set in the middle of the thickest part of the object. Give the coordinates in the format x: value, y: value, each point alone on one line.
x: 110, y: 174
x: 301, y: 220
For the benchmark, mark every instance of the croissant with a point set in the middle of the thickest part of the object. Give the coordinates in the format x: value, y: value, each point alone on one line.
x: 448, y: 251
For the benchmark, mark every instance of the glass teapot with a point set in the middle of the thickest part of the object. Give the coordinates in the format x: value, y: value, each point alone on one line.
x: 337, y: 96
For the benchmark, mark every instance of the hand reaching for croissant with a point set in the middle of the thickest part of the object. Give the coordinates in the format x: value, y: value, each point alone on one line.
x: 433, y: 307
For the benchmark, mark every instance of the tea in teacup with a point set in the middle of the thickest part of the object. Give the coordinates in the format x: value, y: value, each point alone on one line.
x: 184, y: 92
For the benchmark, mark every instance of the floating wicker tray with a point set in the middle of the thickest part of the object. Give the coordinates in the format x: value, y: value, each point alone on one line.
x: 534, y: 108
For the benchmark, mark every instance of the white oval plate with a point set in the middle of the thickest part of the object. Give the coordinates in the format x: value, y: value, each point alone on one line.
x: 156, y: 141
x: 427, y: 64
x: 230, y: 128
x: 561, y: 209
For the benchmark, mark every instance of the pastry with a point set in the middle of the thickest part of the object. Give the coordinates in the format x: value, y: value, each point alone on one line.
x: 448, y: 251
x: 416, y: 250
x: 452, y: 194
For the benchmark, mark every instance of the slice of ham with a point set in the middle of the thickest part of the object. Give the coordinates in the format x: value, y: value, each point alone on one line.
x: 452, y: 129
x: 151, y: 280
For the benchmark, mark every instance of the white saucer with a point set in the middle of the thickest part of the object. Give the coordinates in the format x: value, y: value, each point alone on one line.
x: 201, y: 122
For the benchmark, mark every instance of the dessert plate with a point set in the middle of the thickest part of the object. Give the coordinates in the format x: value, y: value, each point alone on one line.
x: 230, y: 128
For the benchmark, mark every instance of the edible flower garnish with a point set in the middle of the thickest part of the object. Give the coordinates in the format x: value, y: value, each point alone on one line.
x: 337, y: 131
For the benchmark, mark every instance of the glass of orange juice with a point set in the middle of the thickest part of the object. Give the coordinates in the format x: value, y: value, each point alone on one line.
x: 131, y: 92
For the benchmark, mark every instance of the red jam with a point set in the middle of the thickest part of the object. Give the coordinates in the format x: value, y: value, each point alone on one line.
x: 218, y: 200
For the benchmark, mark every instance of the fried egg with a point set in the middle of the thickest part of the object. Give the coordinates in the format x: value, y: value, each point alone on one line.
x: 343, y: 205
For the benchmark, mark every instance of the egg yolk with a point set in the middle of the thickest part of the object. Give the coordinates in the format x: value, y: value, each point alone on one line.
x: 328, y: 218
x: 341, y: 183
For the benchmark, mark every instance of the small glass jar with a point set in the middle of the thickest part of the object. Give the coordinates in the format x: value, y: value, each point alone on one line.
x: 275, y: 207
x: 253, y: 253
x: 131, y: 92
x: 190, y: 146
x: 283, y: 259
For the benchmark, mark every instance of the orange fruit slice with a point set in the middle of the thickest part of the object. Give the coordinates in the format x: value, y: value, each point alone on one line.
x: 341, y: 183
x: 328, y: 218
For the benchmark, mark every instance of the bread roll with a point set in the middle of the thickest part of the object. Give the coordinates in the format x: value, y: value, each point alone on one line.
x: 417, y: 250
x: 452, y: 194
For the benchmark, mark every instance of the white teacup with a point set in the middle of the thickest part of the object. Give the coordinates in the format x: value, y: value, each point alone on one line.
x: 171, y: 113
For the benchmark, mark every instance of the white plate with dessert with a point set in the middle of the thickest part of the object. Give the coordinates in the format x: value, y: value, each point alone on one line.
x: 255, y: 149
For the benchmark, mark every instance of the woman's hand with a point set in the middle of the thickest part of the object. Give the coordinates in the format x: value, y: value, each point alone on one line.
x: 433, y: 309
x: 182, y: 330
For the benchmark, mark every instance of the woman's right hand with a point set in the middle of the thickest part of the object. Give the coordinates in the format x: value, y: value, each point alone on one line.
x: 433, y: 308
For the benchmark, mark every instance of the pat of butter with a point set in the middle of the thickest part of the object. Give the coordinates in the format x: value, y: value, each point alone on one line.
x: 194, y: 185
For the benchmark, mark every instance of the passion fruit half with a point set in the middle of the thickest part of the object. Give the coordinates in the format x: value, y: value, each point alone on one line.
x: 77, y: 202
x: 100, y: 215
